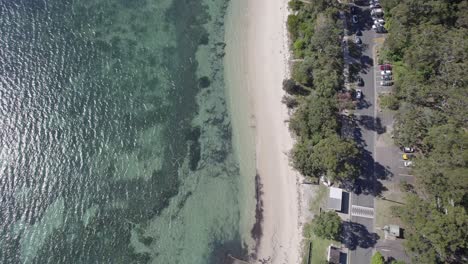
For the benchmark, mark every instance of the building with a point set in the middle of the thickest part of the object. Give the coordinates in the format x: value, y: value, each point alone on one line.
x: 333, y: 255
x: 335, y: 199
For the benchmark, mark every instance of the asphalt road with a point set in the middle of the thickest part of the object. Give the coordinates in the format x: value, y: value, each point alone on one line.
x: 360, y: 232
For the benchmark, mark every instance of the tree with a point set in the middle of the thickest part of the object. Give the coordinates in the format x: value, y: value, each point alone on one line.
x: 292, y: 88
x: 315, y: 119
x: 435, y: 233
x: 302, y: 72
x: 327, y: 225
x: 377, y: 258
x: 302, y: 158
x: 336, y: 158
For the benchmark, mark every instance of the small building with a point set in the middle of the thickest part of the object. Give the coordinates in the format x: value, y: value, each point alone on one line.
x: 333, y: 255
x: 335, y: 199
x: 391, y: 231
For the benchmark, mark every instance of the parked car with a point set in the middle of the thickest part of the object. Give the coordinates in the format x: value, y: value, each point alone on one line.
x: 379, y: 22
x: 408, y: 149
x: 380, y: 29
x: 386, y: 83
x: 405, y: 157
x: 377, y: 26
x: 357, y: 40
x: 358, y: 93
x: 377, y: 12
x: 384, y: 67
x: 375, y: 5
x: 386, y: 72
x: 360, y: 82
x: 352, y: 9
x: 355, y: 19
x: 386, y: 77
x: 358, y: 32
x: 408, y: 163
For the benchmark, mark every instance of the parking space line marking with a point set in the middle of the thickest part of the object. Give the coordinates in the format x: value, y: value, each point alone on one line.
x: 407, y: 175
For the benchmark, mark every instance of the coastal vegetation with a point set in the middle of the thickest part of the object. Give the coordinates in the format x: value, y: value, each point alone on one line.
x: 427, y: 47
x: 377, y: 258
x: 314, y: 90
x: 327, y: 225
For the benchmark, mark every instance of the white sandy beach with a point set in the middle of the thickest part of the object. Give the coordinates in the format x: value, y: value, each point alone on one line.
x: 256, y: 64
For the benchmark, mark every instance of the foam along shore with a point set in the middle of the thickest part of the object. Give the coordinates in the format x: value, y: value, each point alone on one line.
x: 256, y: 64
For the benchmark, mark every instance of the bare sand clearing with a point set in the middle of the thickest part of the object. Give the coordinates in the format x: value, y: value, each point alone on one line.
x: 256, y: 64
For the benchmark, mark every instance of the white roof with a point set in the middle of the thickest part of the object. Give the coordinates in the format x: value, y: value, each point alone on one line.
x: 336, y: 193
x: 334, y: 201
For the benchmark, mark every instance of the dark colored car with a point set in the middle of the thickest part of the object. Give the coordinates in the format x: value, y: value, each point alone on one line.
x: 360, y: 82
x: 355, y: 19
x: 385, y: 67
x: 358, y: 33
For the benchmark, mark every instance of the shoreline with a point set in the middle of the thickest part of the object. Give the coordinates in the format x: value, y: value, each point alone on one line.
x: 256, y: 63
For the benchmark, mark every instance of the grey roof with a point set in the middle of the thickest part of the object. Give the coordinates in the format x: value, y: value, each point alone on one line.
x: 333, y: 255
x: 334, y: 204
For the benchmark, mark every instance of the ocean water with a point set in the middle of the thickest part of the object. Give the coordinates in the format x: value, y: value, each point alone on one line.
x: 115, y: 139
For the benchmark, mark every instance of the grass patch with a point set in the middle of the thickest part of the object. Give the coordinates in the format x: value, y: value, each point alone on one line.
x: 383, y: 208
x: 319, y: 200
x: 319, y: 245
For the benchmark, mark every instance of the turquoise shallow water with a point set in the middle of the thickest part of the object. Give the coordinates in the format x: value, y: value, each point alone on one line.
x: 115, y: 139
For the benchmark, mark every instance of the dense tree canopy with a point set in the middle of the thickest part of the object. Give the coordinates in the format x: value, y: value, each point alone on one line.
x: 428, y: 48
x: 315, y: 32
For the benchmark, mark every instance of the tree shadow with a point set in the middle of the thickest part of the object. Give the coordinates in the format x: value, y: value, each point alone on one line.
x: 369, y: 183
x: 363, y: 104
x: 371, y: 123
x: 366, y: 62
x: 356, y: 235
x: 370, y: 171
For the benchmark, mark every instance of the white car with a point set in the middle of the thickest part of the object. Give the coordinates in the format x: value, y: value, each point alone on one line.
x: 379, y: 22
x: 358, y: 93
x: 408, y: 149
x: 408, y: 163
x: 386, y: 72
x: 386, y: 83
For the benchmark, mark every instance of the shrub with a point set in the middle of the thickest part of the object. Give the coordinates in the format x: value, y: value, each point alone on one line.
x: 377, y: 258
x: 293, y: 26
x: 289, y: 101
x: 389, y: 101
x: 295, y: 5
x: 302, y: 72
x: 327, y: 225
